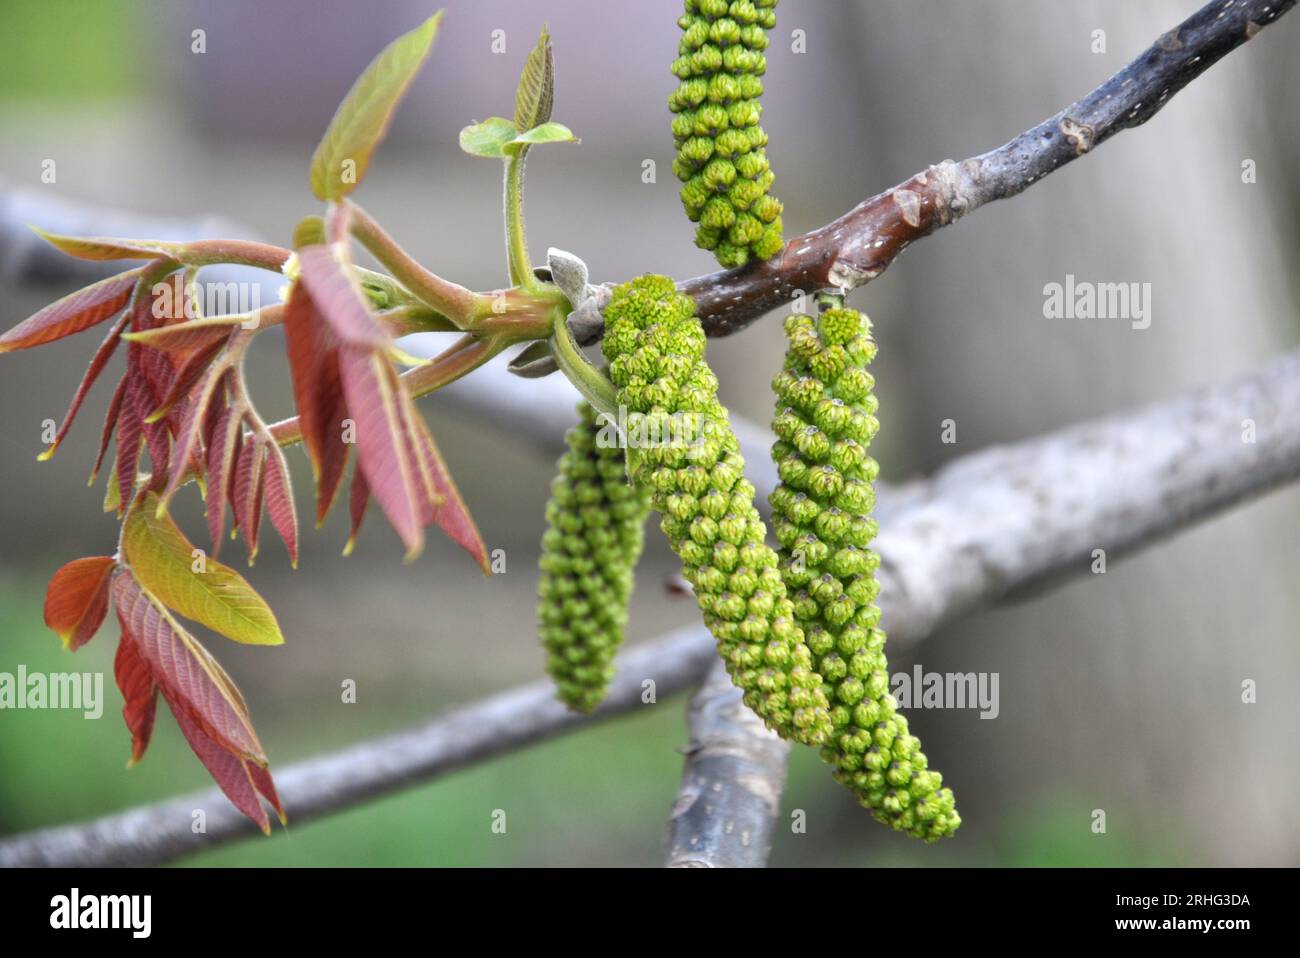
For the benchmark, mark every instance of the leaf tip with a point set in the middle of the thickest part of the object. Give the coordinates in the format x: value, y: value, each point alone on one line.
x: 48, y: 454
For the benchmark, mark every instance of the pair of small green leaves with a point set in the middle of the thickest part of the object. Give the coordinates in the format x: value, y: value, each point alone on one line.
x: 498, y: 137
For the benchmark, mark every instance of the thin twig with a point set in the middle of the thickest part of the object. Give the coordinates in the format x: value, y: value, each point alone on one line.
x: 732, y: 782
x: 985, y: 528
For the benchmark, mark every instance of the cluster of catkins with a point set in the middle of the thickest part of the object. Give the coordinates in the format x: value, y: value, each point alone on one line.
x: 720, y: 146
x: 825, y: 420
x: 798, y: 629
x: 595, y: 528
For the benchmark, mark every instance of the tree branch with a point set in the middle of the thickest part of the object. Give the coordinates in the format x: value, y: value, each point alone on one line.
x: 984, y: 528
x: 731, y: 788
x: 856, y: 248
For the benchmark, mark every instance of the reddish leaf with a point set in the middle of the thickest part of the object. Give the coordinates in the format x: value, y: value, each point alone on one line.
x: 110, y: 423
x: 188, y: 336
x: 130, y: 433
x: 139, y: 693
x: 76, y: 599
x: 185, y: 671
x: 279, y: 500
x: 358, y: 499
x: 447, y: 510
x: 73, y: 313
x: 187, y: 440
x: 318, y: 394
x: 109, y: 247
x: 223, y: 447
x: 230, y: 772
x: 97, y: 363
x: 185, y: 376
x: 246, y: 493
x: 338, y: 296
x: 375, y: 397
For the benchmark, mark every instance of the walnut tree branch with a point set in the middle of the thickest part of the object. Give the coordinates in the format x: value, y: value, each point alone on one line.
x: 985, y: 528
x: 732, y: 781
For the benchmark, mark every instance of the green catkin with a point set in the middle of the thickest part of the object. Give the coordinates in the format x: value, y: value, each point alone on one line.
x: 595, y: 527
x: 825, y: 421
x: 681, y: 448
x: 720, y: 146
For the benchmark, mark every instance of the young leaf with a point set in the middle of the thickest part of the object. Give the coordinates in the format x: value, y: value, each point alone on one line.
x: 232, y: 774
x: 106, y: 431
x: 157, y: 655
x: 105, y: 248
x: 536, y: 92
x: 487, y: 138
x: 338, y: 297
x: 73, y: 313
x: 97, y: 363
x: 130, y: 434
x: 183, y: 337
x: 445, y: 508
x: 187, y: 440
x: 246, y: 493
x: 139, y: 695
x: 279, y: 500
x: 186, y: 672
x: 374, y: 398
x: 546, y: 133
x: 362, y: 119
x: 76, y: 599
x: 164, y: 562
x: 318, y: 393
x: 221, y: 454
x: 358, y: 499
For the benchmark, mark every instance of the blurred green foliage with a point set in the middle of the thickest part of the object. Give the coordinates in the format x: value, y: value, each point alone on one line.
x: 68, y: 49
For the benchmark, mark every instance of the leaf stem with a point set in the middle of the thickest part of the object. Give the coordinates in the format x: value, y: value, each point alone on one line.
x: 458, y: 304
x: 521, y: 268
x: 590, y: 381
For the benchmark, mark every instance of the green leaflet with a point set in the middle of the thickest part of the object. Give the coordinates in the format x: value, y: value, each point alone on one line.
x: 681, y: 447
x: 825, y: 421
x: 720, y: 146
x: 595, y: 528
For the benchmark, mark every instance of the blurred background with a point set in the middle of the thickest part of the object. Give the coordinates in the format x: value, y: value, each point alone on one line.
x: 1118, y: 692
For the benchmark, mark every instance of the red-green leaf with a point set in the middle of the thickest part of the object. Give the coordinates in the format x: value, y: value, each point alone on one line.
x: 76, y: 599
x: 362, y: 119
x: 165, y: 563
x: 130, y: 434
x: 446, y: 509
x: 187, y: 441
x: 110, y: 423
x: 110, y: 247
x: 338, y: 297
x: 184, y: 669
x: 139, y: 693
x: 186, y: 336
x: 318, y: 393
x: 222, y: 452
x: 97, y: 363
x: 73, y: 313
x: 358, y: 499
x: 374, y: 397
x: 211, y: 713
x: 246, y: 493
x: 279, y: 500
